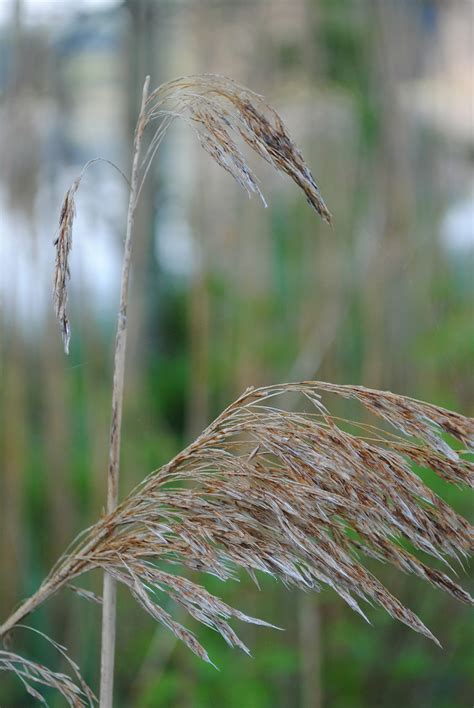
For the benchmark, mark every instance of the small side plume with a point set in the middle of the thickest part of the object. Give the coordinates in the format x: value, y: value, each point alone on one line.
x: 63, y: 244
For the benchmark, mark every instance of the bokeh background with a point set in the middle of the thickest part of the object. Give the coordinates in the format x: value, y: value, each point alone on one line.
x: 379, y: 95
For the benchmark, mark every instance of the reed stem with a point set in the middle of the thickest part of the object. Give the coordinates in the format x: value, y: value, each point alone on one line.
x: 109, y: 589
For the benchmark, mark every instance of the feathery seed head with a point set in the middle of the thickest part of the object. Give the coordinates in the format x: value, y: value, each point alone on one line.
x: 264, y: 489
x: 289, y: 494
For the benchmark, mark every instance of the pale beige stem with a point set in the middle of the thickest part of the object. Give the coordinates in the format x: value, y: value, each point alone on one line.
x: 109, y: 593
x: 28, y: 606
x: 60, y: 576
x: 48, y: 588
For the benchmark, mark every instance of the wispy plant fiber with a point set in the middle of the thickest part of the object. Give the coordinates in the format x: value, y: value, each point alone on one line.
x: 74, y: 690
x: 293, y: 495
x: 31, y: 673
x: 268, y: 490
x: 222, y: 113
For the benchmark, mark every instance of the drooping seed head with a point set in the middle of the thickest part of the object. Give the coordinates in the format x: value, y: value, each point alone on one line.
x: 221, y: 111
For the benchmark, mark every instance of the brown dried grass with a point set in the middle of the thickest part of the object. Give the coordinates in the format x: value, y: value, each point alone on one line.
x: 74, y: 690
x: 293, y: 495
x: 221, y: 112
x: 269, y: 490
x: 30, y: 672
x: 63, y: 246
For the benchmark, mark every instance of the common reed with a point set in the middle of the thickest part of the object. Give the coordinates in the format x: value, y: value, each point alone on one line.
x: 294, y: 495
x: 271, y: 491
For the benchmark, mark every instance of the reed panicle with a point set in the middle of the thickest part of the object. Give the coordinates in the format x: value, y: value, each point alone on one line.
x: 221, y: 111
x: 290, y: 494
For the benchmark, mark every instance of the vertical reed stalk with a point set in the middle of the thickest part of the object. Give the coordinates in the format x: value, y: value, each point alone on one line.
x: 110, y: 591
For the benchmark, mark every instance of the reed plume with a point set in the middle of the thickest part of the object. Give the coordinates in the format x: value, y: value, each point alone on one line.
x: 221, y: 111
x: 289, y: 494
x: 74, y: 690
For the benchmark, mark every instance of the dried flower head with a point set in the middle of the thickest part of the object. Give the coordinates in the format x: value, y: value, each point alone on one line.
x: 221, y: 112
x: 290, y: 494
x: 268, y: 490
